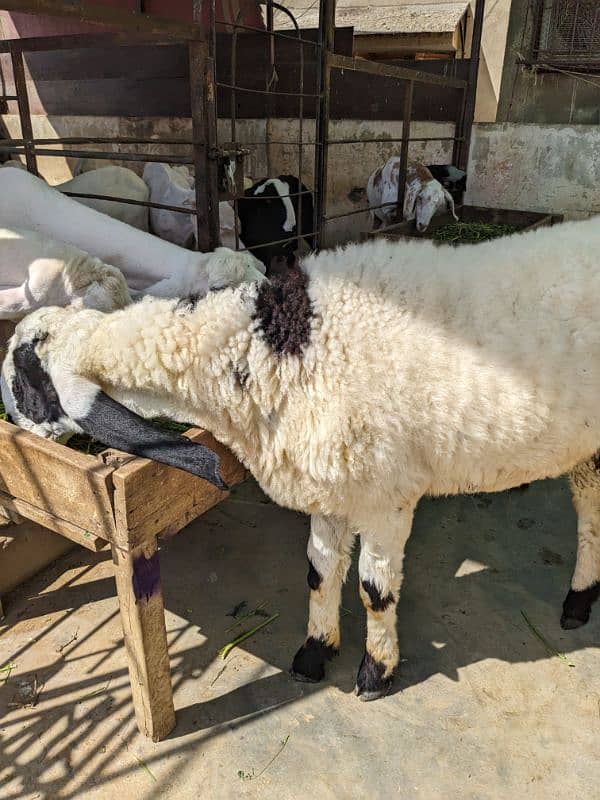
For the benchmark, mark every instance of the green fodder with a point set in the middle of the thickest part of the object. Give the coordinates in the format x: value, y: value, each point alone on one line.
x: 471, y: 232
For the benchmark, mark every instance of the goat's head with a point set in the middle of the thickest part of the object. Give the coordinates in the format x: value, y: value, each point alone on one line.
x: 425, y: 201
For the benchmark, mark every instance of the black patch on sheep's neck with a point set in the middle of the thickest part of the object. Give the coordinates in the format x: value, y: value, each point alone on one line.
x: 378, y: 602
x: 578, y: 605
x: 284, y: 313
x: 33, y: 391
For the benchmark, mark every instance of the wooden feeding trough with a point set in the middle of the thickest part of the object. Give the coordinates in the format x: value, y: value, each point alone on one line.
x: 127, y: 502
x: 519, y: 220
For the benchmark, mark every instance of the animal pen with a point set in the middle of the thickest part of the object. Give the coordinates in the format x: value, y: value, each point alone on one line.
x: 194, y: 72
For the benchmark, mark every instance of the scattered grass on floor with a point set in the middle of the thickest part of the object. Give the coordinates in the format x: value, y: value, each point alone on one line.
x: 224, y: 652
x: 550, y: 649
x: 85, y: 444
x: 471, y: 232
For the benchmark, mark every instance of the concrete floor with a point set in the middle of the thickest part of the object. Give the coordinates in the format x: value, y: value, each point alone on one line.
x: 481, y: 708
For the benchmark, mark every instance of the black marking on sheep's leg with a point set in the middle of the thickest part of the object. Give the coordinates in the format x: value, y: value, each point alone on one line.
x: 33, y: 392
x: 578, y: 605
x: 308, y: 665
x: 115, y: 425
x: 370, y: 683
x: 313, y: 577
x: 378, y: 603
x: 284, y: 313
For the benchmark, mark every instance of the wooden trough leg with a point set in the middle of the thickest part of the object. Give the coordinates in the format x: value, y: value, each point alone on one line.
x: 137, y: 573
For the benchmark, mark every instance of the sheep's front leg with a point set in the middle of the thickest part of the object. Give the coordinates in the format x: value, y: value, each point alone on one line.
x: 328, y: 553
x: 585, y: 583
x: 380, y: 575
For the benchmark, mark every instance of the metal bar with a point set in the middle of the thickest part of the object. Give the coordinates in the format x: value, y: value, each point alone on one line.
x: 326, y: 34
x: 337, y: 61
x: 74, y: 41
x: 459, y: 128
x: 384, y: 139
x: 129, y: 201
x: 74, y: 140
x: 101, y: 154
x: 204, y: 133
x: 471, y: 91
x: 277, y: 241
x: 106, y: 15
x: 222, y: 85
x: 331, y: 217
x: 18, y: 67
x: 264, y: 32
x: 406, y: 121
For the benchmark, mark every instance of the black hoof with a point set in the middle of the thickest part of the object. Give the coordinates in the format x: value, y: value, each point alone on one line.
x: 370, y: 683
x: 308, y: 665
x: 577, y: 607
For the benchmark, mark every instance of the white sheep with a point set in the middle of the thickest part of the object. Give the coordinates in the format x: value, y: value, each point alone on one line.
x: 174, y: 186
x: 357, y: 386
x: 112, y: 181
x: 424, y: 196
x: 28, y: 202
x: 53, y: 273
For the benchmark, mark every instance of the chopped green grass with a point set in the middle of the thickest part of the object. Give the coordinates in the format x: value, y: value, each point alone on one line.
x: 89, y: 446
x: 471, y: 232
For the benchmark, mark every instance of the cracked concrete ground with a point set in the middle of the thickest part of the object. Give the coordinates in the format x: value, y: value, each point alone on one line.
x: 482, y: 707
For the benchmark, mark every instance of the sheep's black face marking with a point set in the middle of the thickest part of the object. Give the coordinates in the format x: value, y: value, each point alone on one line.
x: 378, y: 603
x: 309, y: 662
x: 370, y: 683
x: 284, y: 313
x: 33, y: 391
x: 578, y: 605
x: 313, y: 577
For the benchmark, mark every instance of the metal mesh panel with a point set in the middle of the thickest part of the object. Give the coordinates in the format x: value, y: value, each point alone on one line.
x: 569, y: 33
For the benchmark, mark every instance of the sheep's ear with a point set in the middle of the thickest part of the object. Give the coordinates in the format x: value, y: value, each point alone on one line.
x: 111, y: 423
x: 450, y: 203
x: 410, y: 199
x: 115, y: 425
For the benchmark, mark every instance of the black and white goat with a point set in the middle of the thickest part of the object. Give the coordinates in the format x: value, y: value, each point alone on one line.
x: 272, y: 219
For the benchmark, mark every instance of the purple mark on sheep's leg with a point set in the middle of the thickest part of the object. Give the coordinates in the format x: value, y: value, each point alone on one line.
x: 146, y: 577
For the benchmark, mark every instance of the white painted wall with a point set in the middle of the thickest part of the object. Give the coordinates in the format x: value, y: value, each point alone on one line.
x: 553, y: 168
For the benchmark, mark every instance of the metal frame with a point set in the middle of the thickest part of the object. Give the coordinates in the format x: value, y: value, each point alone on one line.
x: 204, y: 144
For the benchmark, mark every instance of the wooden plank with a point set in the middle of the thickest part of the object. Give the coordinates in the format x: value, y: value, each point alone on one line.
x: 137, y: 575
x: 63, y: 483
x: 151, y: 498
x: 22, y: 509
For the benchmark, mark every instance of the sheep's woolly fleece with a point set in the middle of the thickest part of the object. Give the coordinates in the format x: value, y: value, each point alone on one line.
x: 425, y: 369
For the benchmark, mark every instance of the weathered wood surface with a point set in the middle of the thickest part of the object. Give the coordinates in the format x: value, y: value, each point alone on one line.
x: 151, y: 498
x: 63, y: 483
x: 137, y: 575
x: 21, y: 509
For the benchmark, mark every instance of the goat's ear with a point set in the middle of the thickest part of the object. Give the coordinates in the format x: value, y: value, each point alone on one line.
x: 450, y: 203
x: 410, y: 199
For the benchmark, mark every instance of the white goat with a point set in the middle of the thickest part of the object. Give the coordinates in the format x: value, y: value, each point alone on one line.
x: 174, y: 186
x: 114, y: 182
x: 54, y: 273
x: 28, y: 202
x: 358, y: 385
x: 424, y: 196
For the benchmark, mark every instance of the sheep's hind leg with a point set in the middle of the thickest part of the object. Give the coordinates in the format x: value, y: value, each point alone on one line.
x: 585, y: 583
x: 380, y: 575
x: 328, y: 553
